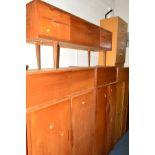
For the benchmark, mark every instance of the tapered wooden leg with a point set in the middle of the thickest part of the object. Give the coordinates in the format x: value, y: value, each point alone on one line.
x: 88, y: 57
x: 38, y: 57
x: 56, y: 53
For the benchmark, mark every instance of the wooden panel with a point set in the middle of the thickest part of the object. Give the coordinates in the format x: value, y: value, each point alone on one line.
x: 53, y: 23
x: 119, y: 110
x: 122, y: 74
x: 101, y: 121
x: 83, y: 32
x: 45, y: 86
x: 83, y: 124
x: 110, y: 116
x: 105, y: 39
x: 82, y: 80
x: 49, y: 130
x: 106, y: 75
x: 125, y: 107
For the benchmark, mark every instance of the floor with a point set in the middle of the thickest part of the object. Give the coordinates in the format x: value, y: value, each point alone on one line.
x: 122, y: 147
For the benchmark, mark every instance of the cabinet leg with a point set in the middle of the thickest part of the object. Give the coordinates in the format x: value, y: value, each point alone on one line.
x: 56, y: 53
x: 38, y: 57
x: 88, y: 57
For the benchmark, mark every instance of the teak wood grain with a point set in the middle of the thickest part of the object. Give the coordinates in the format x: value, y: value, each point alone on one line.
x: 46, y: 22
x: 105, y: 75
x: 83, y: 124
x: 101, y: 100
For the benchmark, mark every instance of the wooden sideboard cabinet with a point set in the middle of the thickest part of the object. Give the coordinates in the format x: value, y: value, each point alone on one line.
x: 46, y: 23
x: 122, y: 102
x: 76, y: 111
x: 118, y: 27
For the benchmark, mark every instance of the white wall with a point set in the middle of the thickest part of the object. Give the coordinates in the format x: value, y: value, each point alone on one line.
x: 121, y: 8
x: 91, y: 10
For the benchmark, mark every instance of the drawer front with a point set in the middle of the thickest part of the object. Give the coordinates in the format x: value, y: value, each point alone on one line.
x: 83, y: 124
x: 53, y: 29
x: 120, y: 57
x: 105, y: 39
x: 122, y: 74
x: 122, y: 26
x: 48, y: 130
x: 53, y: 23
x: 82, y: 80
x: 83, y: 32
x: 106, y: 75
x: 43, y: 87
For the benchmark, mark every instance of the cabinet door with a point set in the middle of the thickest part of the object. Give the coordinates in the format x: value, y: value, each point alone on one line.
x: 83, y: 124
x: 49, y: 130
x: 125, y: 107
x: 110, y: 116
x: 100, y: 121
x: 119, y: 109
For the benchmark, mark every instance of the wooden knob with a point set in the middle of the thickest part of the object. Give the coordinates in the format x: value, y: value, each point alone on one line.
x: 48, y: 30
x: 62, y: 134
x: 51, y: 127
x: 105, y: 95
x: 121, y: 54
x: 83, y: 102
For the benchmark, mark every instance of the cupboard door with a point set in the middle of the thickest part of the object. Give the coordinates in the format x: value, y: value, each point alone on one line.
x: 83, y: 124
x: 110, y: 116
x: 119, y: 109
x: 100, y: 121
x: 125, y: 108
x: 49, y: 130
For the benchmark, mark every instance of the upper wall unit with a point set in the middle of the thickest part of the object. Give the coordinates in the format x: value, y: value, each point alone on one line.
x: 46, y: 23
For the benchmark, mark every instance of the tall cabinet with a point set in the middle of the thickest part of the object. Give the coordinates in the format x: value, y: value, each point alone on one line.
x: 118, y: 27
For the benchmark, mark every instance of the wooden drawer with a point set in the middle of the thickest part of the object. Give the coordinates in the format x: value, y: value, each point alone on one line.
x: 83, y: 32
x: 122, y: 26
x: 48, y: 130
x: 122, y: 74
x: 83, y: 124
x: 45, y: 86
x: 120, y: 56
x: 105, y: 75
x: 105, y: 39
x: 53, y: 22
x: 82, y: 80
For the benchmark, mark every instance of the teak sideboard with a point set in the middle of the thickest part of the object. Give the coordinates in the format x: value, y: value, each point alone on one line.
x: 76, y: 111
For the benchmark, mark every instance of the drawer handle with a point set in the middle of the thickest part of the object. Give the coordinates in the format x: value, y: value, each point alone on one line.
x: 83, y: 102
x: 62, y: 134
x: 111, y: 90
x: 121, y: 54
